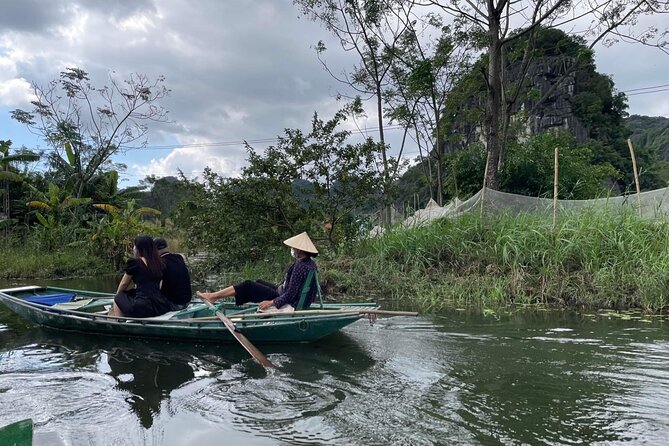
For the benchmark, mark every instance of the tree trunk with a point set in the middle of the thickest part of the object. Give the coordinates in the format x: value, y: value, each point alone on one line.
x: 426, y: 162
x: 494, y: 102
x: 5, y: 204
x: 440, y: 173
x: 386, y: 199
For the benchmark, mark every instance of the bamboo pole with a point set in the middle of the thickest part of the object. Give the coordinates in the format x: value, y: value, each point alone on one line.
x: 485, y: 180
x: 636, y: 173
x: 308, y: 313
x: 555, y: 190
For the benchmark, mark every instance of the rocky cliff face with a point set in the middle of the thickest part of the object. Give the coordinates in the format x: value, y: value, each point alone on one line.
x: 546, y: 103
x: 554, y: 79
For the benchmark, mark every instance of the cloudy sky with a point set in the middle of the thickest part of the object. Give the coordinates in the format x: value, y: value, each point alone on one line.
x: 237, y: 70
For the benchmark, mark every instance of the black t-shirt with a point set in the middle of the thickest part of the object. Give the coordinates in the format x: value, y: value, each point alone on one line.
x: 176, y: 279
x: 146, y: 282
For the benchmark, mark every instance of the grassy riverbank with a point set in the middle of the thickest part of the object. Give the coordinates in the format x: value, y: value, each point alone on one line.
x: 592, y: 260
x: 20, y: 260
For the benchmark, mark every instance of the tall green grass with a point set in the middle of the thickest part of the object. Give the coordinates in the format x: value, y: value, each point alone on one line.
x: 24, y: 262
x: 593, y: 259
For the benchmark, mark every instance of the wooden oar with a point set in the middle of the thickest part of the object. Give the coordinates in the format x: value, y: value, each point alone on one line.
x: 317, y: 312
x: 252, y: 349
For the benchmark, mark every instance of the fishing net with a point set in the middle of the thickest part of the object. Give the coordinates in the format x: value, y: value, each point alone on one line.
x: 652, y: 204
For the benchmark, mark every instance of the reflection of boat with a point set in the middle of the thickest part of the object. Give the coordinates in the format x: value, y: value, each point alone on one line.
x: 148, y: 378
x: 85, y: 311
x: 17, y: 434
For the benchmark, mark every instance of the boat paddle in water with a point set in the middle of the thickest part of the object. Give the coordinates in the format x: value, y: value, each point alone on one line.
x: 252, y: 349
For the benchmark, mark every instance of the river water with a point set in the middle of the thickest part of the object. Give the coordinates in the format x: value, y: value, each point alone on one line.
x: 530, y: 377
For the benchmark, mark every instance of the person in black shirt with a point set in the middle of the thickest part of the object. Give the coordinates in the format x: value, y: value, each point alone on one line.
x: 145, y: 269
x: 176, y: 284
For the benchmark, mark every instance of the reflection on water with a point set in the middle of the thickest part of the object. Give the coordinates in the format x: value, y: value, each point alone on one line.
x: 147, y: 380
x: 528, y: 378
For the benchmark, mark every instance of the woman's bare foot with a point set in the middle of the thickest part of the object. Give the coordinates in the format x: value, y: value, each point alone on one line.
x: 209, y: 297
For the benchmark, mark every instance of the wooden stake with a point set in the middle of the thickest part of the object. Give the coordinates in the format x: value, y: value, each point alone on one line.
x: 485, y: 179
x: 636, y: 173
x: 555, y: 190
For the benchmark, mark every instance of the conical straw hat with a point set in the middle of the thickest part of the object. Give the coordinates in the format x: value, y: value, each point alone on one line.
x: 301, y: 242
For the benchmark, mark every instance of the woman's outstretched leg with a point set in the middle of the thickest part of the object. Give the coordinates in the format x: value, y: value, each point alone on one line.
x: 244, y: 292
x: 221, y: 294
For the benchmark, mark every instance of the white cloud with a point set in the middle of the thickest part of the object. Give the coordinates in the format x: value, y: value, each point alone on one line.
x: 241, y: 70
x: 191, y: 161
x: 139, y: 23
x: 14, y: 92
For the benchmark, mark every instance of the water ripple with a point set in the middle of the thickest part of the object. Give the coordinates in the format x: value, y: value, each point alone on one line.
x: 401, y: 381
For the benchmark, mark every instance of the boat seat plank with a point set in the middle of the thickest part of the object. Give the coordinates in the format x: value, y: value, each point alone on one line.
x: 21, y: 288
x: 165, y: 316
x: 73, y: 305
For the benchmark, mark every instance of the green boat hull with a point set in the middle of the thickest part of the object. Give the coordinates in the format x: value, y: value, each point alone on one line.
x: 17, y: 434
x: 286, y: 328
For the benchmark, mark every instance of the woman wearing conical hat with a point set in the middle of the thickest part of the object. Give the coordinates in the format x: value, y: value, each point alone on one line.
x: 269, y: 296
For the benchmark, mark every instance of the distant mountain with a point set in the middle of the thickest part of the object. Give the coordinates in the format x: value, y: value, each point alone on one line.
x: 651, y: 132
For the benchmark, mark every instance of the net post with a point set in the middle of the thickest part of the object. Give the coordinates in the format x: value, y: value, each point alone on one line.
x: 636, y: 173
x: 555, y: 190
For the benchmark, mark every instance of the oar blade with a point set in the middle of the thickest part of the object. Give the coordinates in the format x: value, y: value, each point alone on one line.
x: 252, y: 349
x: 248, y: 346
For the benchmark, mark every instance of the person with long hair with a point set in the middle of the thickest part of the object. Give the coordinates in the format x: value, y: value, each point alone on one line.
x: 270, y: 297
x: 145, y: 269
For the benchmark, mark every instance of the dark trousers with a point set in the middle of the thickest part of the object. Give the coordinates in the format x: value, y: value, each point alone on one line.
x: 254, y: 291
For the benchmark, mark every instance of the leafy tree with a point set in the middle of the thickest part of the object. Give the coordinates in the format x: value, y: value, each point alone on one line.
x: 56, y: 215
x: 340, y: 178
x: 165, y: 194
x: 466, y: 167
x: 369, y: 29
x: 86, y: 125
x: 315, y: 182
x: 529, y: 169
x: 423, y: 77
x: 104, y: 189
x: 494, y: 21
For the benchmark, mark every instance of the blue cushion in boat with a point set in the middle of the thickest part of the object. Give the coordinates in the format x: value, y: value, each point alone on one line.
x: 50, y: 299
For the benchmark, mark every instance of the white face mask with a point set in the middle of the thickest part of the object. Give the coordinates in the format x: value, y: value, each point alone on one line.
x: 134, y: 251
x: 293, y: 253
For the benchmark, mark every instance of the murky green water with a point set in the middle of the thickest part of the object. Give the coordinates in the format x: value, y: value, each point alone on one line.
x: 533, y: 378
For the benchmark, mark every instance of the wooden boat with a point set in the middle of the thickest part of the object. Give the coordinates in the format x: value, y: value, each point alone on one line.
x: 85, y: 311
x: 17, y: 434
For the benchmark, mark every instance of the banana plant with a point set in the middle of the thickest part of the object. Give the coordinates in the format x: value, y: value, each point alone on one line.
x: 7, y: 176
x: 115, y: 231
x: 104, y: 188
x: 53, y: 206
